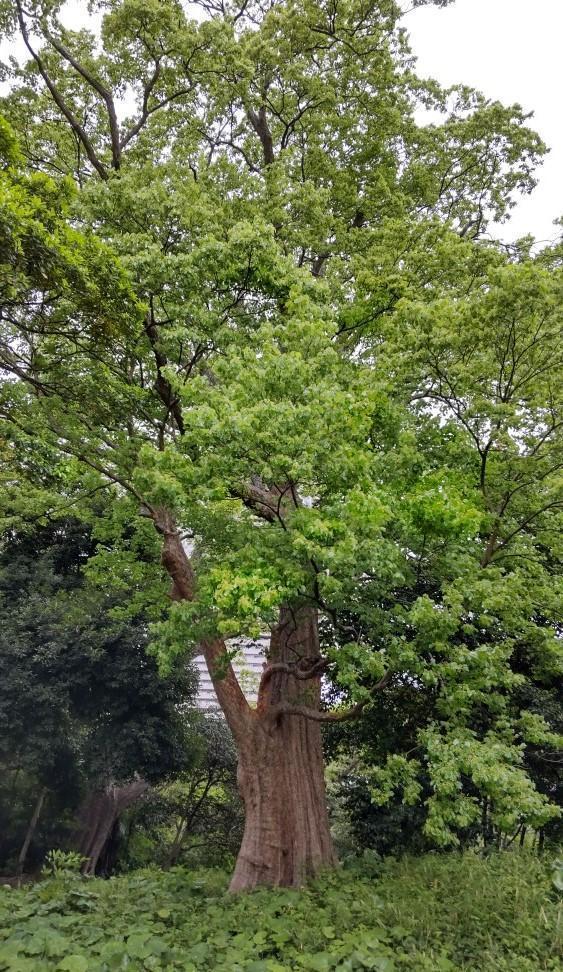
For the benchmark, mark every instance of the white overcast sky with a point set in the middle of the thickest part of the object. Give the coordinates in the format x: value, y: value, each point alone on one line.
x: 512, y: 50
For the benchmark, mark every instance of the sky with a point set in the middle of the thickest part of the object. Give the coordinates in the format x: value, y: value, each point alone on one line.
x: 509, y: 49
x: 512, y: 50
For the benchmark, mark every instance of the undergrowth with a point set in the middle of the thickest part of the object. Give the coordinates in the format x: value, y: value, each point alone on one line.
x: 438, y: 913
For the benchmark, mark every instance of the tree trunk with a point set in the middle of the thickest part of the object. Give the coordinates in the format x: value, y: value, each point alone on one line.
x: 98, y: 816
x: 31, y: 830
x: 286, y: 834
x: 108, y: 858
x: 281, y: 770
x: 176, y: 846
x: 541, y: 841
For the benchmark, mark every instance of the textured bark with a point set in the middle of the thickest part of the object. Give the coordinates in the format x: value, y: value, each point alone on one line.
x: 286, y: 835
x: 97, y: 818
x: 178, y: 565
x: 281, y: 769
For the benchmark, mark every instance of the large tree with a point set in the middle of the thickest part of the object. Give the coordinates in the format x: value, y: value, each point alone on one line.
x: 303, y: 396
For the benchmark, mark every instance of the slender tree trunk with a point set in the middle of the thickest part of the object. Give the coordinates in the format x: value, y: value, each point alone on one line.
x: 186, y: 822
x: 97, y: 818
x: 541, y: 841
x: 281, y: 771
x: 31, y: 829
x: 176, y: 846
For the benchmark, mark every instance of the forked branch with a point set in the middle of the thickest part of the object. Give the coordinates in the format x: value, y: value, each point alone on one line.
x: 61, y: 104
x: 100, y: 88
x: 339, y: 715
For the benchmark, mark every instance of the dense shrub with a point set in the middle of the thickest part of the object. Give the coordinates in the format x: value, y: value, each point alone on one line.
x: 438, y: 913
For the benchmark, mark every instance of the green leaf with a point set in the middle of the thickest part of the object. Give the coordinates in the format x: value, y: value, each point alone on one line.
x: 73, y: 963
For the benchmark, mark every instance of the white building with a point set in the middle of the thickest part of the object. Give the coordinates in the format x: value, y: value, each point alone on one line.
x: 248, y: 665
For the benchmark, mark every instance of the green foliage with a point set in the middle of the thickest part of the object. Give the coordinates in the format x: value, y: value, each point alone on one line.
x: 59, y: 863
x: 98, y: 712
x: 447, y: 913
x: 299, y: 303
x: 196, y: 817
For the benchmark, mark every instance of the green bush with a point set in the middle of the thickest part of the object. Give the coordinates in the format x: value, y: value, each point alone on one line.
x: 437, y: 913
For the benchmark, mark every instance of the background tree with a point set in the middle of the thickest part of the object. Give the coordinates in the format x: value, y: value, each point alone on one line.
x: 196, y: 817
x: 293, y: 237
x: 82, y: 707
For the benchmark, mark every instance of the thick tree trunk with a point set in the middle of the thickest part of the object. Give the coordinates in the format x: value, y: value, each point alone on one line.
x: 281, y: 771
x: 281, y: 768
x: 286, y: 835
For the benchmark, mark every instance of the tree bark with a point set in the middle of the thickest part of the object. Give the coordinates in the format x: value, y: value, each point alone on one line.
x: 97, y: 817
x: 31, y: 829
x: 287, y: 836
x: 281, y: 768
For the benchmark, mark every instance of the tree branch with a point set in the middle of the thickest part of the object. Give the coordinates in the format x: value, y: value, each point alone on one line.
x: 315, y: 715
x: 303, y: 670
x: 285, y: 708
x: 97, y: 85
x: 146, y: 112
x: 556, y: 504
x: 179, y: 568
x: 162, y: 386
x: 259, y: 123
x: 59, y: 100
x: 259, y: 500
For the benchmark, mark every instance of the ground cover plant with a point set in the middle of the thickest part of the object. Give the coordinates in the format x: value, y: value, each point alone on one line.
x: 435, y: 913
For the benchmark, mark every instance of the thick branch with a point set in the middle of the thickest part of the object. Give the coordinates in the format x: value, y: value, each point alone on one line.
x: 318, y: 265
x: 303, y: 670
x: 316, y: 715
x: 59, y: 101
x: 179, y: 567
x: 342, y: 715
x: 227, y: 687
x: 490, y: 549
x: 97, y: 85
x: 162, y: 386
x: 259, y: 123
x: 174, y: 558
x: 268, y: 502
x: 259, y: 499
